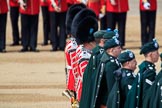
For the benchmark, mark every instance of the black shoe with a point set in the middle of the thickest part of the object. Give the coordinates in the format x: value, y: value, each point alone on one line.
x: 24, y: 50
x: 34, y: 50
x: 2, y: 51
x: 53, y: 49
x: 15, y: 44
x: 61, y: 49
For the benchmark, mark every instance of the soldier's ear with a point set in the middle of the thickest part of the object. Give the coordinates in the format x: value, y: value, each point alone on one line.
x: 125, y: 64
x: 112, y: 50
x: 128, y: 63
x: 150, y: 54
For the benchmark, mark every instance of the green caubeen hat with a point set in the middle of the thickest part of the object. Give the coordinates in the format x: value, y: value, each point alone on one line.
x: 106, y: 34
x: 110, y: 33
x: 125, y: 56
x: 114, y: 42
x: 99, y: 34
x: 149, y: 47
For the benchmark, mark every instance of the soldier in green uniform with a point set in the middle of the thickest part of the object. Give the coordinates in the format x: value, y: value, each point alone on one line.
x: 100, y: 37
x: 145, y: 77
x: 108, y: 35
x: 124, y: 79
x: 129, y: 63
x: 152, y: 96
x: 86, y: 95
x: 158, y: 96
x: 104, y: 78
x: 155, y: 99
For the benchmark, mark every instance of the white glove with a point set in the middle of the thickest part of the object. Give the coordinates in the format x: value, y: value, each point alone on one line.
x: 57, y: 9
x: 101, y: 15
x: 146, y: 5
x: 113, y: 2
x: 84, y: 2
x: 21, y: 1
x: 22, y: 4
x: 53, y: 3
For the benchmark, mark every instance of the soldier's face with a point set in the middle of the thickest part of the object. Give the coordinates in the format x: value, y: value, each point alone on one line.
x: 133, y: 64
x: 155, y: 56
x: 92, y: 45
x: 102, y: 42
x: 116, y: 51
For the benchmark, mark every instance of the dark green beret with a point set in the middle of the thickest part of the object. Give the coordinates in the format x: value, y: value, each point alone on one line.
x: 99, y: 34
x: 113, y: 42
x: 126, y: 56
x: 109, y: 35
x: 149, y: 47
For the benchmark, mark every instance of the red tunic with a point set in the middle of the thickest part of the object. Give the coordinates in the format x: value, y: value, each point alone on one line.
x: 121, y: 6
x: 70, y: 1
x: 63, y: 5
x: 3, y: 6
x: 153, y: 5
x: 13, y: 3
x: 95, y: 5
x: 45, y: 3
x: 83, y: 59
x: 32, y: 7
x: 70, y: 53
x: 103, y: 2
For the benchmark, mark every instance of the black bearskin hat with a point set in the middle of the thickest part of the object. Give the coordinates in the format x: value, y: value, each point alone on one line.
x: 84, y: 25
x: 72, y: 11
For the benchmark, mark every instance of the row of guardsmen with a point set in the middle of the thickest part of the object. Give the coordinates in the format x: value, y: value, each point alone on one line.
x: 54, y: 16
x: 100, y: 75
x: 109, y: 12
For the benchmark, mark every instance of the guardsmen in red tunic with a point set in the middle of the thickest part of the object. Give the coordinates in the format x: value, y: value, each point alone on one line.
x: 46, y: 22
x: 3, y: 21
x: 14, y: 16
x: 29, y: 22
x: 58, y: 9
x: 117, y: 14
x: 82, y: 62
x: 70, y: 52
x: 83, y: 26
x: 148, y: 10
